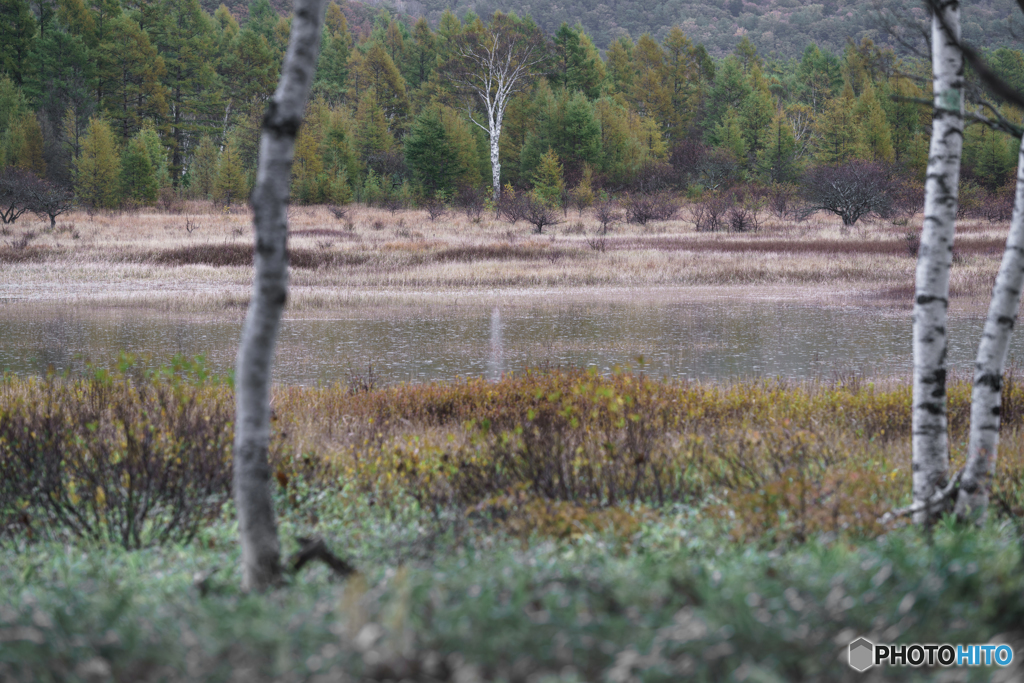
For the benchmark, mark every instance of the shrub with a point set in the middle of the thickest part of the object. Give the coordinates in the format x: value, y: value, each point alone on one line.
x: 644, y: 208
x: 709, y: 215
x: 607, y: 214
x: 537, y: 212
x: 134, y: 463
x: 17, y: 188
x: 851, y: 190
x: 471, y: 200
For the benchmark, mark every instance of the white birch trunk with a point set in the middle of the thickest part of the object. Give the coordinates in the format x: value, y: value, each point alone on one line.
x: 261, y: 561
x: 495, y: 65
x: 930, y: 439
x: 986, y: 399
x: 495, y: 136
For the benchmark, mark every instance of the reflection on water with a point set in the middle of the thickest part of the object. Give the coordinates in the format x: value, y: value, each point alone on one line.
x: 720, y: 340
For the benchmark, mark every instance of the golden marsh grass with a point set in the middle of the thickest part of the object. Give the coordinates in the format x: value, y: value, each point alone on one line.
x: 375, y: 257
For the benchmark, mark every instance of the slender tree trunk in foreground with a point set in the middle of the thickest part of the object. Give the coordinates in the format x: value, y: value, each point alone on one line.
x: 986, y: 399
x: 261, y: 554
x: 930, y: 439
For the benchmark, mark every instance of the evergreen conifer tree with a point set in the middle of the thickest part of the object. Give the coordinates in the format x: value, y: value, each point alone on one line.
x: 875, y: 134
x: 729, y: 136
x: 157, y: 156
x: 231, y: 184
x: 839, y: 138
x: 372, y: 134
x: 777, y: 159
x: 548, y: 182
x: 429, y: 154
x: 98, y: 167
x: 30, y: 153
x: 204, y: 169
x: 138, y: 182
x: 756, y: 112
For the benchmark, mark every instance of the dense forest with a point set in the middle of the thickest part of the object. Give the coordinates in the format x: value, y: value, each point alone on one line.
x: 132, y: 102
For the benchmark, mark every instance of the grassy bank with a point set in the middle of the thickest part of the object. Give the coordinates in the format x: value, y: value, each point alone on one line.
x: 152, y: 258
x: 556, y: 526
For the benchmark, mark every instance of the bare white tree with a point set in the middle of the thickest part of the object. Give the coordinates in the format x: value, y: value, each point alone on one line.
x: 261, y: 554
x: 494, y: 64
x: 930, y: 438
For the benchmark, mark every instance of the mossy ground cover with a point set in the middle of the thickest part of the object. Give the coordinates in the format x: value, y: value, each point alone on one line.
x: 553, y: 526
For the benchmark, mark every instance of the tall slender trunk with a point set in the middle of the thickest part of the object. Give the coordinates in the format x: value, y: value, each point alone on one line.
x: 986, y: 399
x: 261, y: 556
x: 930, y: 439
x: 495, y: 135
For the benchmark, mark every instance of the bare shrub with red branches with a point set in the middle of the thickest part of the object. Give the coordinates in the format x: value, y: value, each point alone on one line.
x: 644, y: 208
x: 851, y: 191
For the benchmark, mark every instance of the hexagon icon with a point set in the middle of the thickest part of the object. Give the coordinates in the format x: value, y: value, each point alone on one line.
x: 862, y: 654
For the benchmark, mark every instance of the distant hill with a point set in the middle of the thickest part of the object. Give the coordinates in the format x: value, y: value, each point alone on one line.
x: 780, y: 27
x: 359, y: 15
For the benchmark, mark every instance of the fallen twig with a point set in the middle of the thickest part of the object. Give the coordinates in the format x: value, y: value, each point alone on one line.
x: 315, y: 549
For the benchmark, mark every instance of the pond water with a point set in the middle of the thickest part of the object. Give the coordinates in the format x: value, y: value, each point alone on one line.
x: 716, y: 340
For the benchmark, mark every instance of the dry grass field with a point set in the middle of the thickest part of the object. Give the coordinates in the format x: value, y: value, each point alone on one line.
x: 199, y: 260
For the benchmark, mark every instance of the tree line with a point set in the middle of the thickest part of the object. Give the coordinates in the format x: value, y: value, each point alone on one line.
x: 130, y: 102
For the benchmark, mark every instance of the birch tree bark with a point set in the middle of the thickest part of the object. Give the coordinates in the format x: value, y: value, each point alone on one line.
x: 930, y: 438
x: 261, y: 555
x: 986, y: 398
x: 494, y: 65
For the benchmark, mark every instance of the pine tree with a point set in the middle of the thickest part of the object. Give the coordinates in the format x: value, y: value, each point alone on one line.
x: 137, y: 180
x: 649, y: 94
x: 187, y: 43
x: 757, y: 112
x: 231, y: 185
x: 98, y: 167
x: 429, y: 154
x: 17, y: 33
x: 377, y: 70
x: 330, y: 81
x: 577, y: 68
x: 204, y: 169
x: 838, y: 135
x: 730, y: 90
x: 372, y: 134
x: 157, y: 155
x: 132, y: 87
x: 30, y: 156
x: 334, y: 19
x: 579, y: 138
x: 777, y: 159
x: 548, y: 182
x: 729, y: 136
x: 619, y: 61
x: 819, y: 78
x: 583, y: 194
x: 249, y: 69
x: 309, y: 184
x: 468, y: 143
x: 682, y: 78
x: 262, y: 19
x: 904, y: 119
x: 420, y: 55
x: 874, y: 131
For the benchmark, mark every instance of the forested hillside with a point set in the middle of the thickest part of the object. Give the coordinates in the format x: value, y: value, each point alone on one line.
x: 148, y: 99
x: 780, y: 27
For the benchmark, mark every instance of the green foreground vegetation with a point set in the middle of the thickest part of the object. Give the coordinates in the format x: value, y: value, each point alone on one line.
x: 553, y: 526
